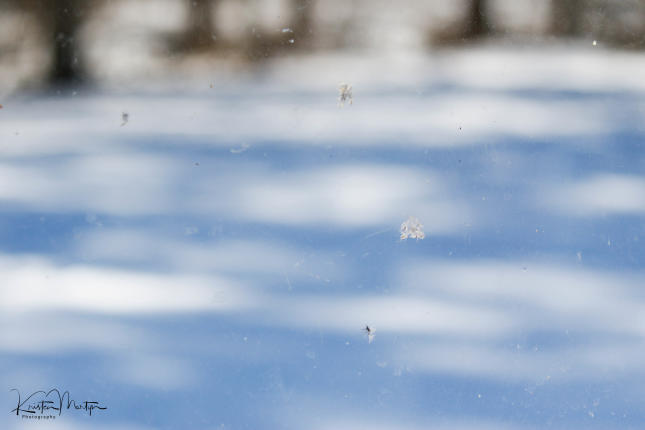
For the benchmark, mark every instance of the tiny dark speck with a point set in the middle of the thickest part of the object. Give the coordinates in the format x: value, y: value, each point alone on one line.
x: 196, y: 164
x: 460, y: 161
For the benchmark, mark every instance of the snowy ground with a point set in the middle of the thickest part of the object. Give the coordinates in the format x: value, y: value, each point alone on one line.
x: 212, y: 262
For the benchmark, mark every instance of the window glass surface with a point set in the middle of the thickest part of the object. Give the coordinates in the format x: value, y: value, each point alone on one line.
x: 322, y: 214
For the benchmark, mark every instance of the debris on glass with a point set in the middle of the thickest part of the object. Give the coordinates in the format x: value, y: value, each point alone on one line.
x: 370, y: 333
x: 243, y: 147
x: 92, y: 219
x: 412, y: 228
x: 191, y: 231
x: 287, y: 30
x: 344, y: 94
x: 124, y: 118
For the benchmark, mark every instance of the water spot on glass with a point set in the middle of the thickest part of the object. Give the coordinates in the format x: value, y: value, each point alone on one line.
x: 239, y: 149
x: 92, y: 219
x: 190, y: 231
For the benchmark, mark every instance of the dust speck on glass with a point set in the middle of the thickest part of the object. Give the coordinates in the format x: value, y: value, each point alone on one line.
x: 200, y: 229
x: 345, y: 94
x: 412, y: 228
x: 370, y: 332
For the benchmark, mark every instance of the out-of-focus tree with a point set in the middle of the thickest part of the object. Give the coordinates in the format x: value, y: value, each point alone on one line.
x: 297, y: 33
x: 302, y: 21
x: 199, y: 29
x: 477, y: 24
x: 567, y: 17
x: 63, y: 23
x: 617, y: 23
x: 473, y: 24
x: 60, y: 22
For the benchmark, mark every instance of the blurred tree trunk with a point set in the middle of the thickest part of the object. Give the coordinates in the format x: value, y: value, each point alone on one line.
x: 264, y: 44
x: 473, y: 24
x: 302, y: 21
x: 60, y: 22
x: 65, y: 22
x: 199, y: 32
x: 566, y: 17
x: 477, y: 24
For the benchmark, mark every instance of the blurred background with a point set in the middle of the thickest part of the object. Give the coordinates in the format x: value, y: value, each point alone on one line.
x: 197, y: 225
x: 57, y: 41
